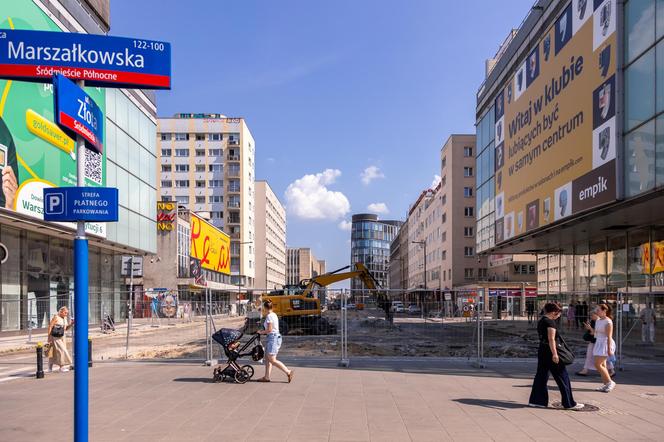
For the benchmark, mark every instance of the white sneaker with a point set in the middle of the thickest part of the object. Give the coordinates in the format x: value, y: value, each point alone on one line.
x: 609, y: 387
x: 602, y: 388
x: 64, y: 370
x: 577, y: 407
x: 537, y: 406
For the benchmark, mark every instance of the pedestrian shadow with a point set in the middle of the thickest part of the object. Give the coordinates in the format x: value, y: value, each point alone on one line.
x: 491, y: 403
x: 201, y: 380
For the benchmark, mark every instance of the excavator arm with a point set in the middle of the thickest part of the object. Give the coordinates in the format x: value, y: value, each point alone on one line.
x: 359, y: 271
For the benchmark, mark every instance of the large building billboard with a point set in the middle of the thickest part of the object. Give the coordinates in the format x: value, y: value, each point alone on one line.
x: 34, y: 152
x: 555, y: 132
x: 209, y: 246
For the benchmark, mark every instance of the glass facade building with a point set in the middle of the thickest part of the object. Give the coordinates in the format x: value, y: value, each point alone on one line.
x: 613, y: 252
x: 370, y: 245
x: 37, y: 277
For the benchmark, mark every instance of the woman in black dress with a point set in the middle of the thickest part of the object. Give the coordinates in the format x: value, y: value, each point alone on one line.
x: 549, y: 362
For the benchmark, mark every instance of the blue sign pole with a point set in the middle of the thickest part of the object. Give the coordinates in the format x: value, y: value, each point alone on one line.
x: 81, y: 308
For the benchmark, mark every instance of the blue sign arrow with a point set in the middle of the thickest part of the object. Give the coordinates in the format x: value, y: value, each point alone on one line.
x: 94, y: 204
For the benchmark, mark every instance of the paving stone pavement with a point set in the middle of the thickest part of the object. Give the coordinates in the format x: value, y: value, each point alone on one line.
x: 375, y: 400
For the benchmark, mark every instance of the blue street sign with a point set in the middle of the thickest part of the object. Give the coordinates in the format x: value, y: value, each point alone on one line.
x: 77, y: 113
x: 100, y: 60
x: 96, y: 204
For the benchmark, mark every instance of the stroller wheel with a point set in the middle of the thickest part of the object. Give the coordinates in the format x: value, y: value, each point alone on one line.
x: 241, y: 376
x: 249, y: 369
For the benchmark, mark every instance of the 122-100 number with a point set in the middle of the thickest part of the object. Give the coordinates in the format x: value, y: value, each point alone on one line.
x: 154, y: 45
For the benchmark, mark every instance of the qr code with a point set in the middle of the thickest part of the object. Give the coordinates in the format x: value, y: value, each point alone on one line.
x: 92, y: 165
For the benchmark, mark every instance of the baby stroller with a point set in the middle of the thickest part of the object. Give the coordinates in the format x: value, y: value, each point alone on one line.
x: 229, y: 339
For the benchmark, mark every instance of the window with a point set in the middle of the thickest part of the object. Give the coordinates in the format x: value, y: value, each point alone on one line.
x: 467, y: 152
x: 200, y: 183
x: 200, y: 200
x: 216, y: 183
x: 468, y: 172
x: 215, y: 199
x: 181, y: 183
x: 639, y: 84
x: 216, y: 167
x: 166, y: 198
x: 200, y: 168
x: 444, y: 237
x: 165, y: 167
x: 166, y: 183
x: 200, y: 152
x: 217, y: 214
x: 181, y: 137
x: 182, y: 199
x: 468, y: 192
x: 467, y: 232
x: 468, y: 251
x: 443, y: 162
x: 215, y: 137
x: 166, y: 152
x: 468, y: 211
x: 215, y: 152
x: 200, y: 137
x: 444, y: 200
x: 182, y: 167
x: 468, y: 273
x: 181, y: 152
x: 165, y: 137
x: 481, y: 274
x: 444, y: 219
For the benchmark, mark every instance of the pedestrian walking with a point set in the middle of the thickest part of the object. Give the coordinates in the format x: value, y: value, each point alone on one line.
x: 589, y: 337
x: 571, y: 314
x: 530, y: 309
x: 648, y: 322
x: 604, y: 347
x: 58, y: 353
x: 271, y: 330
x: 548, y: 361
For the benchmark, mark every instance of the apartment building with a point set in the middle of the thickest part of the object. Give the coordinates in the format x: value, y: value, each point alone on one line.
x: 270, y: 238
x: 206, y: 164
x: 302, y: 264
x: 398, y: 265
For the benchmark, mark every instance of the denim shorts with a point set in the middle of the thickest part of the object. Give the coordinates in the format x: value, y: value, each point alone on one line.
x: 273, y: 344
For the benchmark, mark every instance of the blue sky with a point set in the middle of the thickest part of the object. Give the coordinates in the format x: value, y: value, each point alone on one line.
x: 330, y: 89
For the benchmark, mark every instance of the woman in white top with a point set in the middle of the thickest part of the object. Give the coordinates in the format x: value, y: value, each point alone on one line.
x: 605, y: 346
x: 58, y: 353
x: 271, y: 330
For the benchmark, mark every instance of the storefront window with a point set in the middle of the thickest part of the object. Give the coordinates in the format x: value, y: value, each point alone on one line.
x: 640, y: 159
x: 638, y: 260
x: 659, y: 151
x: 10, y: 281
x: 616, y: 262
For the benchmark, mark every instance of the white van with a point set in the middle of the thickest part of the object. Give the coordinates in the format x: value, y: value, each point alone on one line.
x: 397, y: 307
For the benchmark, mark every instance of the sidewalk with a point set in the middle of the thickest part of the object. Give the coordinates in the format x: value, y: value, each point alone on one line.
x: 377, y: 399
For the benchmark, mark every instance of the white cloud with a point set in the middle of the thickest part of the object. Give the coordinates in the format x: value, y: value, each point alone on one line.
x: 379, y: 208
x: 436, y: 181
x: 371, y: 173
x: 345, y: 225
x: 309, y: 198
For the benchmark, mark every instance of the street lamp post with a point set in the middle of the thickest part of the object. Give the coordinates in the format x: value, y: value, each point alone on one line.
x: 424, y: 247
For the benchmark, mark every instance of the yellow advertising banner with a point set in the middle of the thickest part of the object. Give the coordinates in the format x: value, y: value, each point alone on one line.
x: 654, y: 255
x: 555, y: 133
x: 210, y: 246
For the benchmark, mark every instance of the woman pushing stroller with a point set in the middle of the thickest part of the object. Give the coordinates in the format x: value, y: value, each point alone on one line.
x: 271, y: 331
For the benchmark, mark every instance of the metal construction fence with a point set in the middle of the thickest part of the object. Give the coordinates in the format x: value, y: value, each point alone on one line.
x: 472, y: 324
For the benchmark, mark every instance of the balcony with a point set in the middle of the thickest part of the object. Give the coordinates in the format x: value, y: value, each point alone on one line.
x: 233, y: 220
x: 233, y: 142
x: 233, y: 157
x: 234, y: 204
x: 232, y: 173
x: 233, y: 189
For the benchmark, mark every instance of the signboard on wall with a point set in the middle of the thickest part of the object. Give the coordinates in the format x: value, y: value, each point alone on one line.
x: 166, y: 216
x: 210, y: 246
x: 555, y: 132
x: 34, y: 152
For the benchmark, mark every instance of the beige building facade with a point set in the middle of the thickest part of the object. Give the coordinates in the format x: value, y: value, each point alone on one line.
x: 302, y: 264
x: 206, y: 164
x: 270, y: 238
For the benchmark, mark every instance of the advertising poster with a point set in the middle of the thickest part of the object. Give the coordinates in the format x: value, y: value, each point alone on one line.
x: 555, y: 132
x: 209, y: 246
x: 34, y: 152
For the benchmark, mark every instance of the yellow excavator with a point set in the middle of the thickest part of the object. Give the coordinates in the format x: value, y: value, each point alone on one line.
x: 299, y: 308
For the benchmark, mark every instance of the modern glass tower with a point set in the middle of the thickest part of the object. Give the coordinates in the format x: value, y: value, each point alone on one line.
x: 370, y: 245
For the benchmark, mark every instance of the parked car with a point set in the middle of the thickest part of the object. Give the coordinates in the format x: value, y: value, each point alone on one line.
x: 397, y: 307
x: 414, y: 309
x: 350, y: 306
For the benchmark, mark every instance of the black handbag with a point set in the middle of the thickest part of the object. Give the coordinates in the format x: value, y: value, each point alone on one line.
x: 58, y: 331
x: 565, y: 354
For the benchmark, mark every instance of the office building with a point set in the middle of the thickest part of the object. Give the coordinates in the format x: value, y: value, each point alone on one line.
x: 206, y: 164
x: 582, y: 191
x: 38, y: 275
x: 302, y: 264
x: 370, y: 245
x: 270, y: 238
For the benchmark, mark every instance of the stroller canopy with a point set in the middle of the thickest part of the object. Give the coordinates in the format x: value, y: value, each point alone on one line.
x: 227, y: 336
